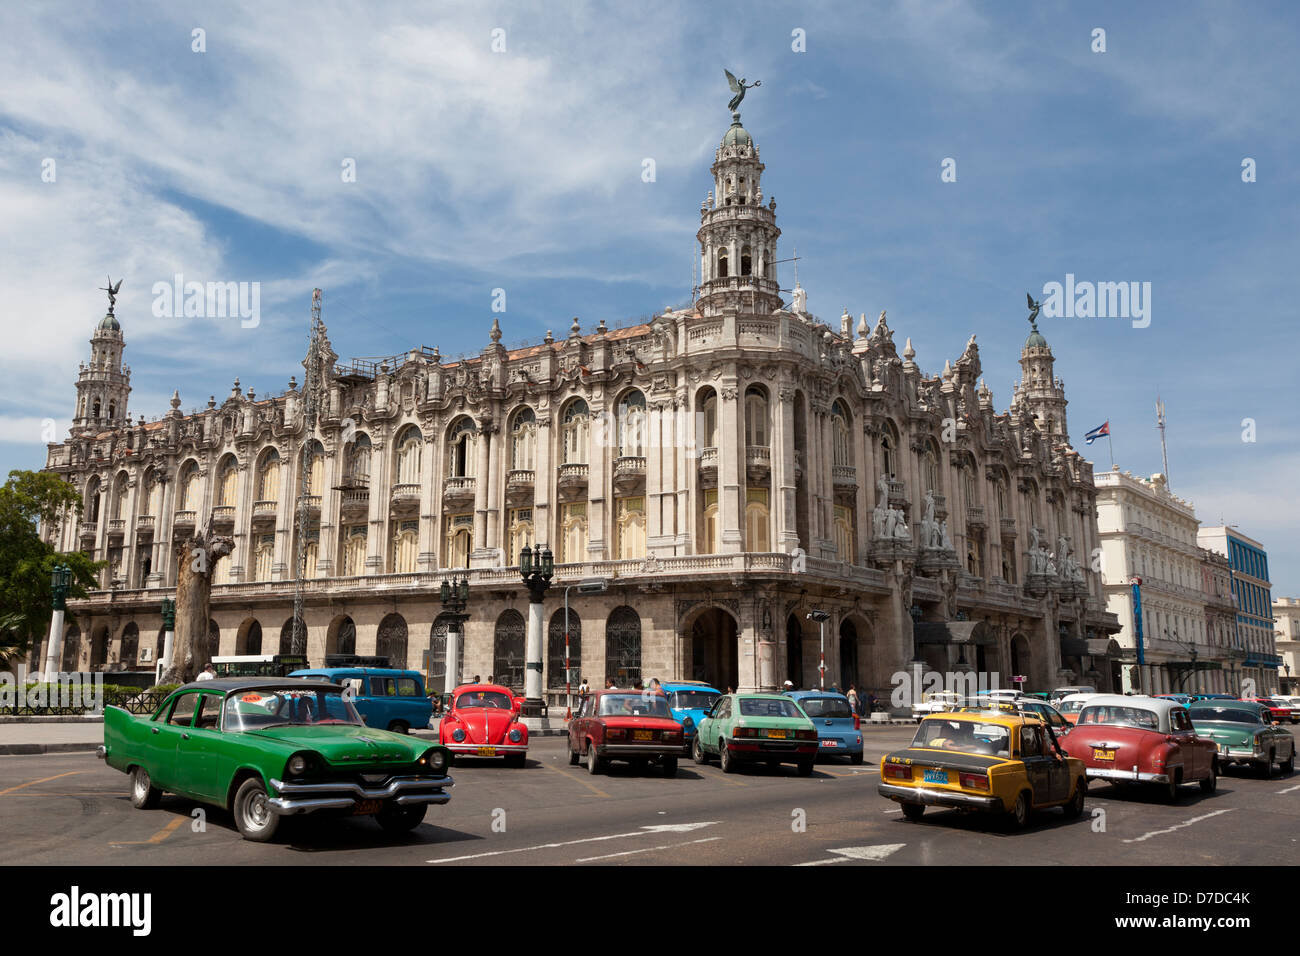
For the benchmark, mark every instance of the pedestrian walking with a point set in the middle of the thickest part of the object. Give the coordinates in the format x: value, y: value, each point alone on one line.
x: 854, y: 703
x: 208, y: 672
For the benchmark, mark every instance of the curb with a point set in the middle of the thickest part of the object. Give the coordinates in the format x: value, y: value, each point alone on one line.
x: 52, y: 719
x: 26, y: 750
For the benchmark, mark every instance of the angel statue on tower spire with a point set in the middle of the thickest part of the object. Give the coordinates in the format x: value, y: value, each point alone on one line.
x: 112, y: 293
x: 738, y: 86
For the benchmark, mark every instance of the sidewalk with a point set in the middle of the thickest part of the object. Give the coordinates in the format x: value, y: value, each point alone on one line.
x: 50, y: 738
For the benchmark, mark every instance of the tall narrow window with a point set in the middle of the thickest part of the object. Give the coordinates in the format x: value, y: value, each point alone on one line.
x: 631, y: 425
x: 722, y: 274
x: 523, y: 440
x: 709, y: 419
x: 576, y: 426
x: 268, y: 485
x: 840, y: 436
x: 844, y: 533
x: 262, y: 557
x: 460, y: 529
x: 406, y: 546
x: 630, y: 527
x: 521, y: 533
x: 757, y: 537
x: 354, y: 551
x: 228, y: 483
x: 710, y: 520
x: 573, y: 531
x: 409, y: 443
x: 756, y: 431
x: 461, y: 448
x: 930, y: 468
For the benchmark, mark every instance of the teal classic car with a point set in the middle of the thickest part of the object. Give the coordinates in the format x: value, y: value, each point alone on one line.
x: 265, y: 748
x: 1245, y: 734
x: 756, y: 727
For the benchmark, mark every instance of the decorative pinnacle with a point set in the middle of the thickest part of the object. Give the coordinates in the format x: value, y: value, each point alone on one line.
x: 909, y: 353
x: 495, y: 334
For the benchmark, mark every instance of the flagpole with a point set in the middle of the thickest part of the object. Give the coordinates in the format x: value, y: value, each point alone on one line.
x: 1111, y: 446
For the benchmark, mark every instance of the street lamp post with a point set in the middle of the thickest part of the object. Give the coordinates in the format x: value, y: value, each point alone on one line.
x: 821, y: 617
x: 537, y: 578
x: 60, y: 582
x: 454, y: 596
x: 169, y: 635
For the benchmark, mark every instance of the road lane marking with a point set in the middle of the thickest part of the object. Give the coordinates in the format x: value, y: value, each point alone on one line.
x: 846, y: 853
x: 32, y: 783
x: 586, y: 783
x: 1179, y: 826
x: 158, y: 837
x: 647, y: 849
x: 644, y: 831
x: 1290, y: 789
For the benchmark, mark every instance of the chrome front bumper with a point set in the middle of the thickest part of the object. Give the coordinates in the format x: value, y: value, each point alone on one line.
x: 405, y: 791
x: 938, y: 798
x: 472, y: 750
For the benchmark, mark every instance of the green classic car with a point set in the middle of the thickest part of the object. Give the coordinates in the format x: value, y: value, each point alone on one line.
x: 756, y: 727
x: 1245, y: 733
x: 265, y: 748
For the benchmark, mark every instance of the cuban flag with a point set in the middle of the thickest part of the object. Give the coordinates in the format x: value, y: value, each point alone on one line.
x: 1099, y: 432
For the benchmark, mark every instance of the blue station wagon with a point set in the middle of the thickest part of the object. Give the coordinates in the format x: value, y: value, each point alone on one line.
x: 839, y: 730
x: 385, y: 698
x: 689, y: 702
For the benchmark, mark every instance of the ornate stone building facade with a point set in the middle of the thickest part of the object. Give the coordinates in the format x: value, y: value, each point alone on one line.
x: 727, y: 468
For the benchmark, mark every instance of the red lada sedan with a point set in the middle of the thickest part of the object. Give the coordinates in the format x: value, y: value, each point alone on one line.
x: 631, y: 725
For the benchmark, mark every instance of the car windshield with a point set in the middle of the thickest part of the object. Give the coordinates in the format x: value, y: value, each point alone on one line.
x: 282, y: 706
x: 768, y: 707
x: 1236, y: 715
x: 634, y: 705
x: 484, y: 698
x: 966, y: 736
x: 1071, y: 706
x: 826, y: 707
x: 694, y: 699
x: 1120, y: 717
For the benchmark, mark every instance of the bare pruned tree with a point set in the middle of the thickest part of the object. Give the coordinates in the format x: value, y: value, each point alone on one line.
x: 194, y: 562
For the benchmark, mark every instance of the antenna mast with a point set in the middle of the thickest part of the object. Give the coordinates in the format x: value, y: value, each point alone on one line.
x: 312, y: 387
x: 1160, y: 424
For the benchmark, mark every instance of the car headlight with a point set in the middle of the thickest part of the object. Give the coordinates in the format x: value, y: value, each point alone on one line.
x: 436, y: 759
x: 297, y: 765
x: 516, y: 735
x: 458, y: 735
x: 688, y: 723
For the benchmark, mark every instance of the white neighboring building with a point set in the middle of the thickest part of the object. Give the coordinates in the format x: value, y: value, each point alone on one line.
x: 1150, y: 533
x: 1286, y: 631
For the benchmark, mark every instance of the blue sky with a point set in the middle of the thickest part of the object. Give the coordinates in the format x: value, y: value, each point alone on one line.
x: 522, y: 170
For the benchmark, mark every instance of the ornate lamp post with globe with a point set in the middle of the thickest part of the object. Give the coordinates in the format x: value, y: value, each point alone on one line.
x: 60, y: 583
x: 536, y: 575
x: 454, y: 596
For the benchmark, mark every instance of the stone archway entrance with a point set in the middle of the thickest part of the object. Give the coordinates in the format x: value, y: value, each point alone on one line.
x: 713, y: 653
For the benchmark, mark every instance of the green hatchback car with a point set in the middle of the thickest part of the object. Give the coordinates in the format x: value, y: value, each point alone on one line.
x: 768, y: 728
x: 267, y: 748
x: 1245, y: 734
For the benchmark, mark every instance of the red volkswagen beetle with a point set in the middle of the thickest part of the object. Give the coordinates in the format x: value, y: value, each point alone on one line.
x: 483, y: 721
x: 1127, y: 739
x: 630, y: 725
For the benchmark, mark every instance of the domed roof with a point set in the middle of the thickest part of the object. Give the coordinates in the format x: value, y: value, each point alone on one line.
x: 736, y: 135
x: 109, y: 322
x: 1035, y: 340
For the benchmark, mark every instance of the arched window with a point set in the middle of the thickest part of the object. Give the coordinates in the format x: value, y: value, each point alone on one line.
x: 623, y: 647
x: 930, y: 468
x: 575, y: 427
x: 96, y: 415
x: 189, y: 485
x: 345, y: 637
x: 461, y: 441
x: 508, y: 650
x: 723, y: 266
x: 523, y: 440
x: 358, y: 460
x: 438, y: 655
x: 631, y: 425
x: 92, y: 500
x: 130, y: 645
x: 390, y: 641
x: 844, y: 533
x: 746, y: 258
x: 520, y: 532
x: 263, y: 556
x: 354, y: 550
x: 709, y: 532
x: 268, y: 481
x: 889, y: 450
x: 842, y: 442
x: 121, y: 491
x: 227, y: 482
x: 460, y: 530
x: 409, y: 444
x: 555, y: 676
x: 708, y: 404
x: 287, y: 637
x: 314, y: 454
x: 214, y: 638
x: 756, y: 430
x: 252, y: 639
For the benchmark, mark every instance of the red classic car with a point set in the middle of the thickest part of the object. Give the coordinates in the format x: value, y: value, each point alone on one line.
x: 483, y: 721
x: 630, y: 725
x: 1129, y: 739
x: 1280, y: 710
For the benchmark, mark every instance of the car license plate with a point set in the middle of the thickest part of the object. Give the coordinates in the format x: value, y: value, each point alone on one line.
x: 776, y: 734
x: 643, y: 735
x: 487, y: 751
x: 830, y: 743
x: 1099, y: 754
x: 936, y: 776
x: 364, y: 807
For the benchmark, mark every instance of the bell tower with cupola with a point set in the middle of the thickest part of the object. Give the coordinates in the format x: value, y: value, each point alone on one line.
x: 737, y: 232
x: 103, y: 385
x: 1039, y: 388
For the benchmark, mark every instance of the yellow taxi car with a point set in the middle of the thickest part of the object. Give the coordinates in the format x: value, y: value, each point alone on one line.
x: 995, y: 760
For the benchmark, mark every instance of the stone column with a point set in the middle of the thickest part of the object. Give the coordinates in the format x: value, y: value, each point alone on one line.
x: 783, y: 481
x: 430, y: 483
x: 381, y: 493
x: 481, y: 484
x: 544, y: 528
x: 498, y: 459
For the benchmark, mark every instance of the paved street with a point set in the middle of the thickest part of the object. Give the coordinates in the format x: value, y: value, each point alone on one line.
x: 71, y: 809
